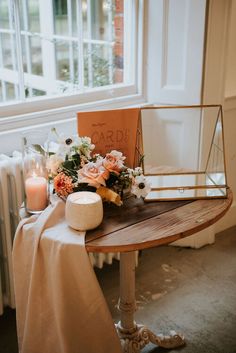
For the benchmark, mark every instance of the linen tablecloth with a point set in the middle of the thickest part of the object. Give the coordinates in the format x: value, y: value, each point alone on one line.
x: 60, y: 307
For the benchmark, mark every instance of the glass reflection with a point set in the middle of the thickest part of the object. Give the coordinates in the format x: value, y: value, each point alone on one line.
x: 164, y: 195
x: 184, y: 152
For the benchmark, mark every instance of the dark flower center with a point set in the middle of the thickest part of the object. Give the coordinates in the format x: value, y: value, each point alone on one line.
x: 68, y: 141
x: 141, y: 185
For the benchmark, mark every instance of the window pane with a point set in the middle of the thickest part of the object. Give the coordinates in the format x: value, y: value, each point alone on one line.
x: 24, y: 40
x: 7, y: 55
x: 100, y: 28
x: 33, y: 15
x: 10, y: 91
x: 62, y: 50
x: 74, y: 18
x: 97, y: 66
x: 4, y: 15
x: 86, y: 68
x: 84, y: 17
x: 36, y: 55
x: 60, y: 17
x: 75, y: 63
x: 1, y: 97
x: 62, y: 61
x: 101, y: 64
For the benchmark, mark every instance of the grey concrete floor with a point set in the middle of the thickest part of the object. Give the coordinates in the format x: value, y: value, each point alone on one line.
x: 190, y: 291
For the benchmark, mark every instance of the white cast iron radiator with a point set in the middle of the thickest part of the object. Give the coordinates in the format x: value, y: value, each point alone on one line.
x: 11, y: 198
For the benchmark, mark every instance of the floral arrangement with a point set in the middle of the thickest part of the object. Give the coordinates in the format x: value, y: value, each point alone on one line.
x: 73, y: 167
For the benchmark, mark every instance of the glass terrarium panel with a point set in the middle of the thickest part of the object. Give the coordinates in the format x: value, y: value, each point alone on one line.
x: 186, y: 194
x: 210, y: 118
x: 183, y: 147
x: 215, y: 161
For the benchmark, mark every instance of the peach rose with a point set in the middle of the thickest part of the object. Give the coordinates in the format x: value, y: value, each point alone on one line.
x: 94, y: 174
x: 114, y: 162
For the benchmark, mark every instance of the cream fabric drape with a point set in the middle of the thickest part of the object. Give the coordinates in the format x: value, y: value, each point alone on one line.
x: 60, y: 307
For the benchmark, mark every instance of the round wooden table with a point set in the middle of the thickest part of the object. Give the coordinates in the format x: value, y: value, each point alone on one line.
x: 138, y: 225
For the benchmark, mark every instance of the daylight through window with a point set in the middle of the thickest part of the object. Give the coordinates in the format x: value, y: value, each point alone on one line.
x: 55, y: 47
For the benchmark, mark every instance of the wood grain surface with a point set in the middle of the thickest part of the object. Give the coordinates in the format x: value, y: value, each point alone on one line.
x: 137, y: 225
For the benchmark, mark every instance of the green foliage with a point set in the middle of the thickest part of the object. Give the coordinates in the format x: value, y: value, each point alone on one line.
x: 113, y: 179
x: 84, y: 187
x: 100, y: 67
x: 39, y: 149
x: 71, y: 166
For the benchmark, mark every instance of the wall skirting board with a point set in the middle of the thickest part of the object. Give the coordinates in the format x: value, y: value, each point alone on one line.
x: 196, y: 241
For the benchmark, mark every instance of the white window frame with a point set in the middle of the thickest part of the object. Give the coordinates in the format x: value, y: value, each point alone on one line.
x: 49, y: 109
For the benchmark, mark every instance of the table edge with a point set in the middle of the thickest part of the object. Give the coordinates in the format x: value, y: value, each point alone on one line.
x: 163, y: 241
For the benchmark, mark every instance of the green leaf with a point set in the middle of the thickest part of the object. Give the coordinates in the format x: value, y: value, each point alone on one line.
x: 77, y: 160
x: 112, y: 180
x: 84, y: 187
x: 68, y: 164
x: 39, y: 149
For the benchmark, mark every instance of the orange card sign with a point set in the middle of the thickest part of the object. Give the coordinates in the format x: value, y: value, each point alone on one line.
x: 111, y: 130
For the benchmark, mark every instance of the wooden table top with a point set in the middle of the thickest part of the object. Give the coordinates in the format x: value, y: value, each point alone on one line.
x: 138, y: 225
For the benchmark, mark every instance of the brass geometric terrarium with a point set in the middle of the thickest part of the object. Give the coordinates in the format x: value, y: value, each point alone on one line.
x: 183, y: 149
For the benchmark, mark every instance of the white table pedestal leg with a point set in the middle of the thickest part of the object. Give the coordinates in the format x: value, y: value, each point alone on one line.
x: 134, y: 337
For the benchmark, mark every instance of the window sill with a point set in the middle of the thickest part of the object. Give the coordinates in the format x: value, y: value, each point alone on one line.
x: 40, y: 118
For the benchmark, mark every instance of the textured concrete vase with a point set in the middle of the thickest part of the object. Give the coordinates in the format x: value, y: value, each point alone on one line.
x: 84, y: 210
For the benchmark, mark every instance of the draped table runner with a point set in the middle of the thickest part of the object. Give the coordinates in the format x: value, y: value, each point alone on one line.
x: 60, y: 307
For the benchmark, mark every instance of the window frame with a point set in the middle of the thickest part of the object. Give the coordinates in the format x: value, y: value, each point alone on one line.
x: 47, y: 109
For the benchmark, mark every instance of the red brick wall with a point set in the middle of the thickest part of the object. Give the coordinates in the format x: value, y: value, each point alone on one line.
x: 119, y: 41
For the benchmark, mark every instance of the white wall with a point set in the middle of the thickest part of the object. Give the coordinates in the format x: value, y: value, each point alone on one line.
x: 220, y: 85
x: 230, y: 82
x: 230, y: 116
x: 12, y: 140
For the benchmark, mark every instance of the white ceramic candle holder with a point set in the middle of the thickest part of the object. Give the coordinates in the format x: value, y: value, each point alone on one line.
x: 84, y: 210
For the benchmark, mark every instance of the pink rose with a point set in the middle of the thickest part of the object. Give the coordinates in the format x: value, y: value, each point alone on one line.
x: 94, y: 174
x: 114, y: 162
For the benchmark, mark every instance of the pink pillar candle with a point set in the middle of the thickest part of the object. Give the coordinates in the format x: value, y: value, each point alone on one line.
x: 36, y: 193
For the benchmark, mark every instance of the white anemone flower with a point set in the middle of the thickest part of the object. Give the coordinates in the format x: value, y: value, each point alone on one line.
x: 67, y: 144
x: 53, y: 163
x: 141, y: 187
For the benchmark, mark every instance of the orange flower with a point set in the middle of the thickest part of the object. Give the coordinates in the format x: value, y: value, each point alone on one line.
x: 114, y: 162
x: 94, y: 174
x: 63, y: 184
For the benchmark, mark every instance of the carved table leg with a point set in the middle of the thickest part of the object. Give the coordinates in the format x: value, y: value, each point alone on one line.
x: 134, y: 337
